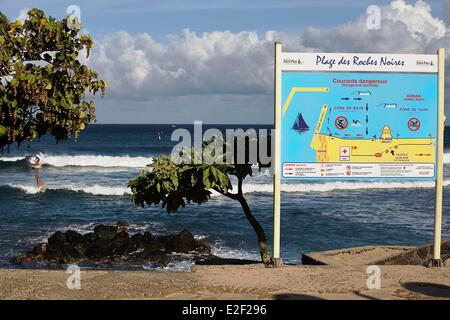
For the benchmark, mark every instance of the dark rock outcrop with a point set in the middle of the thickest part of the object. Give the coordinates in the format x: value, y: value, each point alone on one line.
x: 113, y: 244
x: 105, y: 232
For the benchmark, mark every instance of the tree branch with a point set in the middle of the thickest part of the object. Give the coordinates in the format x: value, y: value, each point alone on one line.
x: 240, y: 186
x: 230, y: 195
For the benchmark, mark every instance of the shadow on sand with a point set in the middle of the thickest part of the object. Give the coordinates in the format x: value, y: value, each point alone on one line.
x: 295, y: 296
x: 223, y: 262
x: 428, y: 289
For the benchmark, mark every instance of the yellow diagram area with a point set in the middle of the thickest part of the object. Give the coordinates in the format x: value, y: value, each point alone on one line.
x: 383, y: 149
x: 294, y: 90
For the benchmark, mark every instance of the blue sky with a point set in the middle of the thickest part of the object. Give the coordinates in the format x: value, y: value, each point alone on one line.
x: 170, y: 16
x: 162, y: 17
x: 176, y: 61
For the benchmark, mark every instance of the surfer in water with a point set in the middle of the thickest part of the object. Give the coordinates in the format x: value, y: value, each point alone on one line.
x: 35, y: 162
x: 40, y: 184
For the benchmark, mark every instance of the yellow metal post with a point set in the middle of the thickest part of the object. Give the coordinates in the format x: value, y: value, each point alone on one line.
x: 277, y: 159
x: 439, y: 160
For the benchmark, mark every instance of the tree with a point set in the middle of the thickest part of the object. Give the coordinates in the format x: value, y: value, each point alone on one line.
x: 43, y: 83
x: 173, y: 185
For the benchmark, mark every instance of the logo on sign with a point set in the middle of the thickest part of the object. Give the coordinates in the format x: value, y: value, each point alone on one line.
x: 424, y: 63
x: 292, y: 61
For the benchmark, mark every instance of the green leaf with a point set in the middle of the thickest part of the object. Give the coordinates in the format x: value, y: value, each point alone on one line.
x: 3, y: 130
x: 166, y: 185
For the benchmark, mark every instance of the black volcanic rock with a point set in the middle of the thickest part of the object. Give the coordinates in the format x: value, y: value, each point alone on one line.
x: 105, y: 232
x: 57, y: 242
x: 99, y: 249
x: 120, y: 243
x: 183, y: 242
x: 73, y: 237
x: 88, y: 238
x: 113, y: 244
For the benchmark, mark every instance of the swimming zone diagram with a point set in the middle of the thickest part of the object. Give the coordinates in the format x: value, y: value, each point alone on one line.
x: 358, y: 125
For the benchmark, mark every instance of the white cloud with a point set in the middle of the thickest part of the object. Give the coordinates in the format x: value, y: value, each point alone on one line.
x: 223, y: 63
x: 404, y: 28
x: 417, y: 18
x: 210, y: 63
x: 23, y: 14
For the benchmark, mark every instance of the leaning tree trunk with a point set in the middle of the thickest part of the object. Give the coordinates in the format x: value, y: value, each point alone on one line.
x: 262, y: 240
x: 260, y: 234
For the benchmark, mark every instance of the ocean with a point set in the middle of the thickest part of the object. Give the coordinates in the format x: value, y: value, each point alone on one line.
x: 86, y: 185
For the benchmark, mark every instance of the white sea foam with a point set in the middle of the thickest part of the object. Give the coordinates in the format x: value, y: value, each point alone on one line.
x: 154, y: 227
x: 339, y: 185
x: 94, y: 189
x: 249, y: 188
x: 25, y: 188
x: 225, y: 252
x: 11, y: 159
x: 100, y: 190
x: 178, y: 266
x: 105, y: 161
x: 88, y: 161
x: 95, y: 161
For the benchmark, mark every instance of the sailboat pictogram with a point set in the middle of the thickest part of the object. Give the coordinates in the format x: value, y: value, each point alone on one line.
x: 300, y: 125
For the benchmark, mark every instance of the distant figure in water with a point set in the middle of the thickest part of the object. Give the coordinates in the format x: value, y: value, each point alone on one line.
x: 35, y: 162
x: 158, y: 135
x: 40, y: 184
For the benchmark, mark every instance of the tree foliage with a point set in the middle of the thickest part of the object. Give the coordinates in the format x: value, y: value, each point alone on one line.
x: 173, y: 185
x: 44, y: 85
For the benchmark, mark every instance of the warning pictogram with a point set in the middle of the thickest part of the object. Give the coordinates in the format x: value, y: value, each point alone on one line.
x: 413, y: 124
x: 341, y: 122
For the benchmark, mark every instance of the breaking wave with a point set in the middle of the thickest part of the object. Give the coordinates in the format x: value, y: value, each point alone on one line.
x: 86, y: 161
x: 103, y: 161
x: 101, y: 190
x: 97, y: 190
x: 340, y: 185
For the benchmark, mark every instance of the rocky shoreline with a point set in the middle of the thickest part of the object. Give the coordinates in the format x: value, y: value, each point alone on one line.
x: 113, y: 244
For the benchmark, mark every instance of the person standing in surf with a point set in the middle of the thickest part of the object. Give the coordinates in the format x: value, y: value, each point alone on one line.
x: 36, y: 165
x: 40, y: 183
x: 37, y: 162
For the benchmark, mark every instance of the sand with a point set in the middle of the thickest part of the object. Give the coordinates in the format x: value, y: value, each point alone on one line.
x: 231, y: 282
x: 366, y: 255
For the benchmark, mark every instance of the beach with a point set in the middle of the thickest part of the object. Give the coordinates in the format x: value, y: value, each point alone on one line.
x: 231, y: 282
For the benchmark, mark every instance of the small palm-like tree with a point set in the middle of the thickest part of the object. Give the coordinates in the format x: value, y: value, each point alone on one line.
x: 173, y: 185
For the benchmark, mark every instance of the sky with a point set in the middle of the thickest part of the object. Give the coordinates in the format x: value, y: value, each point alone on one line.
x: 176, y: 61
